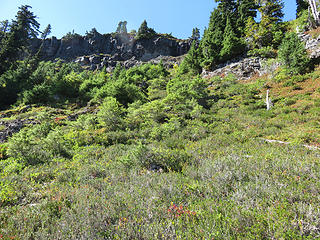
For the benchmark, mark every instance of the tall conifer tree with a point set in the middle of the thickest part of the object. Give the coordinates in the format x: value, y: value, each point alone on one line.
x: 247, y: 9
x: 231, y: 45
x: 222, y: 40
x: 191, y: 63
x: 301, y: 5
x: 211, y: 42
x: 270, y: 24
x: 23, y: 28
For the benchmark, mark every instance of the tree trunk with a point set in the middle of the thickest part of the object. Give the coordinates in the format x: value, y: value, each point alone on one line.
x: 315, y: 12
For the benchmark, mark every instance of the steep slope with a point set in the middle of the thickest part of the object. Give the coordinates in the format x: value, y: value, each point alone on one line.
x: 97, y: 50
x: 106, y: 170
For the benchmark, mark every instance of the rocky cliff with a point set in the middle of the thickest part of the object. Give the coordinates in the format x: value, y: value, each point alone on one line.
x: 97, y: 50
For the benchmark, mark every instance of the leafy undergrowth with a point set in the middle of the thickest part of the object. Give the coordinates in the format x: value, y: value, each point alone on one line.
x: 176, y: 159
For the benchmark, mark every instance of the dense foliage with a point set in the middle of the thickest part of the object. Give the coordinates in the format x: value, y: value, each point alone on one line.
x: 293, y: 53
x: 233, y: 30
x: 15, y: 40
x: 301, y: 6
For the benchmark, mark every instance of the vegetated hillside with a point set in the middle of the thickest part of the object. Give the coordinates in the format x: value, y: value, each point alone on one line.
x: 152, y: 153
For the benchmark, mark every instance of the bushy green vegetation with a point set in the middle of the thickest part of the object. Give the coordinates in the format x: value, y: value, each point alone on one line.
x: 234, y: 32
x: 152, y: 153
x: 180, y: 161
x: 293, y: 53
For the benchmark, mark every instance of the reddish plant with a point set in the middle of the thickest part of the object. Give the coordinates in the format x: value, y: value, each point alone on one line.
x: 178, y: 211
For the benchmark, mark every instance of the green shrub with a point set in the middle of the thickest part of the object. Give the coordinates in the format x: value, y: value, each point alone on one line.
x: 3, y: 151
x: 156, y: 157
x: 38, y: 94
x: 264, y: 52
x: 13, y: 82
x: 37, y: 145
x: 110, y: 114
x: 26, y: 147
x: 293, y: 54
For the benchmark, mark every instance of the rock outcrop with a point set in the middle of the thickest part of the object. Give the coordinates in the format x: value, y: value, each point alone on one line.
x: 97, y: 50
x: 312, y: 44
x: 243, y: 68
x: 97, y: 62
x: 8, y: 128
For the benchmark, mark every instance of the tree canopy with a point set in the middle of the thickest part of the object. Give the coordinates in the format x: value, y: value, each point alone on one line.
x: 14, y: 41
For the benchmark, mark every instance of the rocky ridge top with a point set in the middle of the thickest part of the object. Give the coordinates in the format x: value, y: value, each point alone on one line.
x: 106, y: 50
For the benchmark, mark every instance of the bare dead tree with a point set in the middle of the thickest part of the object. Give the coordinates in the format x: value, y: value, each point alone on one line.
x: 314, y: 11
x: 268, y: 101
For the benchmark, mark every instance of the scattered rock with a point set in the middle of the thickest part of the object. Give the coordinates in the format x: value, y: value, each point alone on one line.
x: 13, y: 126
x: 95, y: 59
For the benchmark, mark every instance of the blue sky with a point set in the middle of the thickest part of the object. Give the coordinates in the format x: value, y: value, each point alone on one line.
x: 165, y: 16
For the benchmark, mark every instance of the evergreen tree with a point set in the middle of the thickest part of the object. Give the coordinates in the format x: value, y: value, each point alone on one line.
x: 247, y: 9
x: 23, y: 28
x: 144, y: 31
x: 36, y: 58
x: 195, y: 34
x: 26, y: 22
x: 46, y: 32
x: 119, y: 27
x: 251, y: 33
x: 222, y: 40
x: 301, y: 6
x: 227, y: 8
x: 211, y: 42
x: 191, y: 62
x: 122, y: 27
x: 4, y: 28
x: 270, y: 24
x: 272, y: 10
x: 293, y: 54
x: 231, y: 45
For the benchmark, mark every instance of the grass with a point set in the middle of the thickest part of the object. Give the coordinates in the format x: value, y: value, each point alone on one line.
x: 170, y: 169
x: 252, y: 190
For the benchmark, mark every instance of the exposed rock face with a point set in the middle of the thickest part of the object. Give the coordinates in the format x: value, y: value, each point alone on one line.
x: 312, y: 45
x: 243, y: 68
x: 99, y: 50
x: 97, y: 62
